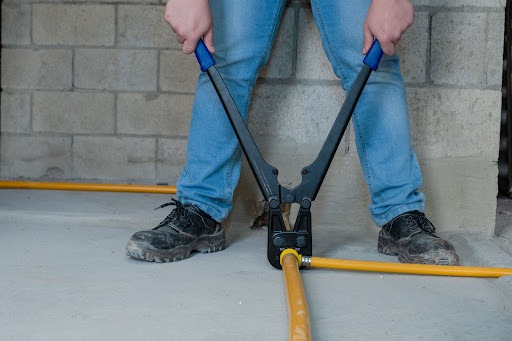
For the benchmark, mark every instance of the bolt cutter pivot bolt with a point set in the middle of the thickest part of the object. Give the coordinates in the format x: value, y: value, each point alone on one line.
x: 273, y: 203
x: 302, y: 241
x: 278, y: 241
x: 306, y: 203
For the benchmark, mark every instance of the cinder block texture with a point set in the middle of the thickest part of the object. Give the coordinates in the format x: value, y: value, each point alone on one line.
x: 15, y: 23
x: 178, y: 72
x: 309, y: 44
x: 413, y: 48
x: 144, y: 26
x: 73, y: 112
x: 15, y: 114
x: 460, y: 49
x: 171, y: 155
x: 94, y: 1
x: 112, y: 157
x: 460, y: 3
x: 35, y: 156
x: 455, y: 123
x: 303, y: 113
x: 493, y: 49
x: 280, y: 62
x: 154, y: 114
x: 36, y: 69
x: 59, y: 24
x: 116, y: 69
x: 461, y: 193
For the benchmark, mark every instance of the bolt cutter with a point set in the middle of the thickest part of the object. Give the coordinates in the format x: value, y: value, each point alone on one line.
x: 279, y: 238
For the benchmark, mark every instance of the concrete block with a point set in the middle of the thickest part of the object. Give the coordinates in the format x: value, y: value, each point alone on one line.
x: 15, y: 23
x: 312, y: 63
x: 116, y: 69
x: 453, y: 123
x: 290, y: 124
x: 280, y: 62
x: 413, y: 48
x: 111, y: 157
x: 36, y: 69
x: 63, y: 24
x: 494, y: 49
x: 73, y: 112
x: 178, y: 72
x: 154, y: 114
x: 457, y: 53
x: 461, y: 193
x: 144, y: 26
x: 35, y: 156
x: 171, y: 156
x: 301, y: 112
x: 15, y: 112
x: 460, y: 3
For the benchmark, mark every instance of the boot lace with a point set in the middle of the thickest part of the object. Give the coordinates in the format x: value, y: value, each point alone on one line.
x: 425, y: 224
x: 178, y: 215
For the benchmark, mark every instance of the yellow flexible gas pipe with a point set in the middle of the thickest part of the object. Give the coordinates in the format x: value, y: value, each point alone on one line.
x: 299, y: 327
x: 415, y: 269
x: 71, y: 186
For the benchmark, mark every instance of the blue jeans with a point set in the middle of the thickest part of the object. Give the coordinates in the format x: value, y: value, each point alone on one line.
x: 243, y: 36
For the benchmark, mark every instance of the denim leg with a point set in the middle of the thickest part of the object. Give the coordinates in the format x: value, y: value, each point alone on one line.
x: 243, y: 36
x: 380, y: 120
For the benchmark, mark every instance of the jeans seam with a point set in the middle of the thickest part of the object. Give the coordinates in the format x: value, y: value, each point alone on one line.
x: 363, y: 157
x: 182, y: 176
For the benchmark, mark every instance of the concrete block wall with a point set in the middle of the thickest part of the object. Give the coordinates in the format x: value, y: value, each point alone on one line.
x: 99, y: 91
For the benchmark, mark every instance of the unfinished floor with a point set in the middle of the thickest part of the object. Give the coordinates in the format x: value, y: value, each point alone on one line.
x: 65, y: 276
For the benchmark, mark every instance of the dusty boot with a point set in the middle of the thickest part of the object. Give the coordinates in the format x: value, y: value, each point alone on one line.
x: 185, y: 229
x: 413, y: 238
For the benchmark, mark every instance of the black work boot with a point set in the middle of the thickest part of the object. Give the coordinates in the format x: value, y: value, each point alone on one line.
x: 185, y: 229
x: 413, y: 238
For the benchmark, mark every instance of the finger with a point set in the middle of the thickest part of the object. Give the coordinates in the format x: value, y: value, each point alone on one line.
x: 189, y: 45
x: 388, y: 47
x: 368, y: 39
x: 180, y: 39
x: 208, y: 40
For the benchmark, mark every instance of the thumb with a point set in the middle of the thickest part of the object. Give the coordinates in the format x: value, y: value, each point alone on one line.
x: 208, y: 40
x: 368, y: 38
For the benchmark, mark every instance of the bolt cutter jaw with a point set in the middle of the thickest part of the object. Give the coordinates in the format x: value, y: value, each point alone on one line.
x: 280, y: 239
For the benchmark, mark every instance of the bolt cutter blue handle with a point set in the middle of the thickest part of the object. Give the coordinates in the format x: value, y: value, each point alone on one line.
x: 204, y: 57
x: 373, y: 56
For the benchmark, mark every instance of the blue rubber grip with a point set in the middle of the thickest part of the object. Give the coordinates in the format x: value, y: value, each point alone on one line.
x: 373, y: 56
x: 204, y: 57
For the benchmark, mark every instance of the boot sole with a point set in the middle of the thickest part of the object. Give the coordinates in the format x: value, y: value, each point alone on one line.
x: 389, y: 247
x: 203, y: 244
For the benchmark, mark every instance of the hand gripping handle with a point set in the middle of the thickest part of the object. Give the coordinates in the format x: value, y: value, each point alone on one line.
x: 373, y: 56
x: 204, y: 57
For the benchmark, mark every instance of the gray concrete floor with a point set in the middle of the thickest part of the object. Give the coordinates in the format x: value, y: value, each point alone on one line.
x: 65, y: 277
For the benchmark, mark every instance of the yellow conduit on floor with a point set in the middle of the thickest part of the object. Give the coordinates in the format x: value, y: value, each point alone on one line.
x: 70, y: 186
x: 415, y: 269
x: 299, y: 326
